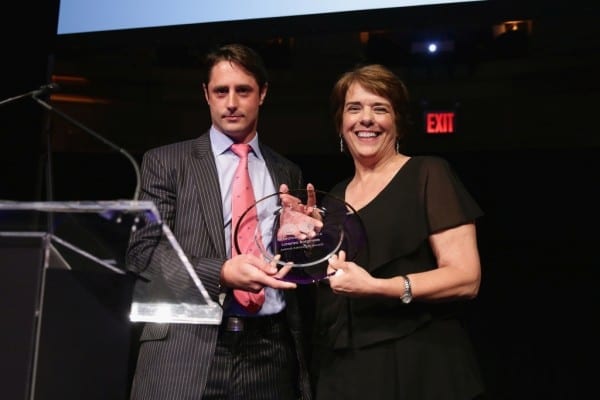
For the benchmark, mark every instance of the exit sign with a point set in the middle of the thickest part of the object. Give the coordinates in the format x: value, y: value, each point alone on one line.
x: 440, y: 122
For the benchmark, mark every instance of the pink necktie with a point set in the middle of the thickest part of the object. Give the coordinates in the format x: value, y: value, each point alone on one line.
x: 242, y: 198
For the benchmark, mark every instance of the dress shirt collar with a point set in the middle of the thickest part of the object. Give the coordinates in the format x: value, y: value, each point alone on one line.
x: 220, y: 143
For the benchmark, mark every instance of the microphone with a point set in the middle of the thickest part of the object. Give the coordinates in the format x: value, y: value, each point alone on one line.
x: 45, y: 89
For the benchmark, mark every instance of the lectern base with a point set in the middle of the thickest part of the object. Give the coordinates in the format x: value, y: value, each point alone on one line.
x: 80, y: 347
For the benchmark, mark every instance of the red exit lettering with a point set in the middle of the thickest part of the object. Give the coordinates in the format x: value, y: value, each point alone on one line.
x: 439, y: 122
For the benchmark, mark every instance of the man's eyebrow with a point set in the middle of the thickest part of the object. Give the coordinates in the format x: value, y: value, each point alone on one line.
x: 241, y: 86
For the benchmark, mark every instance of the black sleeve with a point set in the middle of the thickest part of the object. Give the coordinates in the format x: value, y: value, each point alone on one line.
x: 447, y: 201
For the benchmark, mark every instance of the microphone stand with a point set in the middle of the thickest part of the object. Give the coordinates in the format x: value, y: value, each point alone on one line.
x: 34, y: 95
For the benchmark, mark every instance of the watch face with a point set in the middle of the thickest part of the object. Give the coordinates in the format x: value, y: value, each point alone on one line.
x: 407, y: 296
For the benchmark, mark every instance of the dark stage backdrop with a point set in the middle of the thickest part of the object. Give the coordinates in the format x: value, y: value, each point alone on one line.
x: 27, y: 33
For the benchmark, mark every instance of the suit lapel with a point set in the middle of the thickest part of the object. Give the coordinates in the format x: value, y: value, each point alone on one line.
x: 278, y: 172
x: 204, y: 170
x: 209, y: 192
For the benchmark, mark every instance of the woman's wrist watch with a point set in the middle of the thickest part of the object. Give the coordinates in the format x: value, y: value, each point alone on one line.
x: 407, y: 295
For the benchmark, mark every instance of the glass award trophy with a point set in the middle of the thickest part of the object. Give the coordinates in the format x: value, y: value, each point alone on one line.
x: 304, y: 228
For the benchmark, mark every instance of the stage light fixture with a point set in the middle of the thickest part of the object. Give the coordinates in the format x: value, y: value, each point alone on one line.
x: 507, y: 27
x: 432, y: 47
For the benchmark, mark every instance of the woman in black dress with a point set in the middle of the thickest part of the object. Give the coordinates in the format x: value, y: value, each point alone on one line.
x: 387, y: 322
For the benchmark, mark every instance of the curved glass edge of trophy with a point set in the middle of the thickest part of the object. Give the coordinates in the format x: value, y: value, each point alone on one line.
x: 305, y: 228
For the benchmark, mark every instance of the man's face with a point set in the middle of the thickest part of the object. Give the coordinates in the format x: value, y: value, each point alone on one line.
x: 234, y: 98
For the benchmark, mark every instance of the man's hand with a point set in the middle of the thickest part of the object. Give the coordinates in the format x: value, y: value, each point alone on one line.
x: 251, y: 273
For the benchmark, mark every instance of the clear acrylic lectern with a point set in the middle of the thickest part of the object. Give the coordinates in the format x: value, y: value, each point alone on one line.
x: 67, y: 295
x: 94, y: 235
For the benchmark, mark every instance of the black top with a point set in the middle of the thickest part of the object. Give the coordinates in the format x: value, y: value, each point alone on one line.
x: 424, y: 197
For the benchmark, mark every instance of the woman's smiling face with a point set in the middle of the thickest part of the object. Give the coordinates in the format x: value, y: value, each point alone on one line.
x: 368, y: 123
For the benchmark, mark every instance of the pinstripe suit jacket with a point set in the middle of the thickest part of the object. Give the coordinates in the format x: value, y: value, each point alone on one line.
x: 181, y: 179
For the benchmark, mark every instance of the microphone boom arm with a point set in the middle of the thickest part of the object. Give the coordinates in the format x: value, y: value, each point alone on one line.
x: 14, y: 98
x: 91, y: 132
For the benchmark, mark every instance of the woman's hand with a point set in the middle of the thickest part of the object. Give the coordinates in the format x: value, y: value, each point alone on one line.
x: 348, y: 278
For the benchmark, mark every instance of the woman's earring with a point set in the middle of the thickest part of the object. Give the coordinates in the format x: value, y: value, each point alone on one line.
x: 397, y: 146
x: 341, y: 144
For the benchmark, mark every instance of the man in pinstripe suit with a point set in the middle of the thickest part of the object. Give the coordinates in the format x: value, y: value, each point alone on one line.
x: 190, y: 182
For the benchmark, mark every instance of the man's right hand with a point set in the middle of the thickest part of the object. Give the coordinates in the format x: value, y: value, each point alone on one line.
x: 251, y: 273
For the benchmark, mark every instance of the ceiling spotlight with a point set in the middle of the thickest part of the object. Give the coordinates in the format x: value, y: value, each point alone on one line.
x: 432, y: 47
